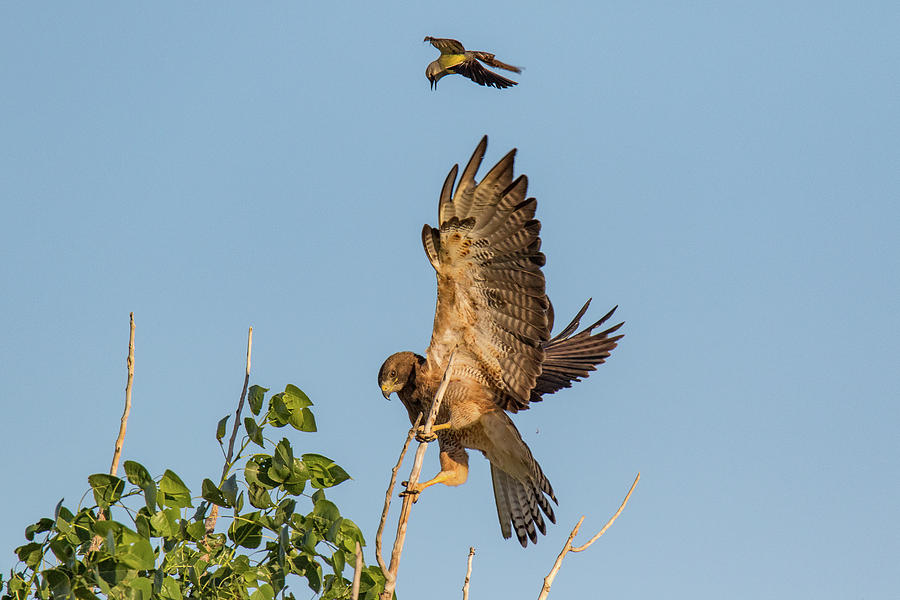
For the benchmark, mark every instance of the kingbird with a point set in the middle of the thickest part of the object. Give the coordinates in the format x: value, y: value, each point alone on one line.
x: 456, y: 59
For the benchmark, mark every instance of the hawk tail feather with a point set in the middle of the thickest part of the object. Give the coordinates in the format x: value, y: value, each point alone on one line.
x: 519, y: 505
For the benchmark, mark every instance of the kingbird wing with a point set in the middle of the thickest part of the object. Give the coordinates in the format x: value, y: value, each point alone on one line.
x: 491, y: 302
x: 488, y: 58
x: 446, y: 45
x: 568, y: 358
x: 475, y: 71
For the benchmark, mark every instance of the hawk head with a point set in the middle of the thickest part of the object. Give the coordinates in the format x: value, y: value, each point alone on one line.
x: 398, y: 371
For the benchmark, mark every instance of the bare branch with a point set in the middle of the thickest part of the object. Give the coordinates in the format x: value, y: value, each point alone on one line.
x: 408, y: 499
x: 123, y: 422
x: 357, y: 573
x: 388, y: 495
x: 548, y: 580
x: 210, y: 521
x: 611, y: 520
x: 468, y: 573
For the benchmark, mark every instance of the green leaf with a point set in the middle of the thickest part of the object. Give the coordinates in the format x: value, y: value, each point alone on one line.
x: 41, y: 526
x: 255, y: 397
x: 257, y: 471
x: 338, y: 561
x: 196, y: 530
x: 165, y: 522
x: 30, y: 554
x: 258, y: 496
x: 334, y: 532
x: 230, y: 490
x: 282, y: 461
x: 254, y: 432
x: 107, y: 489
x: 138, y: 474
x: 246, y: 531
x: 174, y: 493
x: 264, y: 592
x: 63, y: 550
x: 140, y: 588
x: 279, y: 413
x: 303, y: 420
x: 59, y: 583
x: 295, y: 395
x: 327, y: 510
x: 212, y: 494
x: 325, y: 472
x: 137, y: 555
x: 221, y: 428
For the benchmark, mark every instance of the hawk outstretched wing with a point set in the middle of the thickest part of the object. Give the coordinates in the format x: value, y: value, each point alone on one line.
x: 491, y: 300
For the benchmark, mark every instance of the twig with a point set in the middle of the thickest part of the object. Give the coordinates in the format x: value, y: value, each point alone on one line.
x: 548, y: 580
x: 357, y: 573
x: 389, y: 494
x: 123, y: 424
x: 391, y: 576
x: 468, y: 573
x: 210, y: 521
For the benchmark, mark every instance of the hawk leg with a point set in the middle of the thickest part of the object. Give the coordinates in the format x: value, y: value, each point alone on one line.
x: 454, y: 471
x: 423, y: 438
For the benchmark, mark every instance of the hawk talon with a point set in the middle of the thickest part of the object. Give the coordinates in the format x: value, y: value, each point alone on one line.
x: 408, y: 492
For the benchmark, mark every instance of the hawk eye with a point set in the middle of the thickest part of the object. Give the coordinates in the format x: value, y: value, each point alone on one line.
x: 393, y: 373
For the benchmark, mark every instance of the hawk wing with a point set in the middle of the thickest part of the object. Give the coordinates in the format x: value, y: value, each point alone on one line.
x: 475, y: 71
x: 445, y: 45
x: 568, y: 358
x: 491, y: 302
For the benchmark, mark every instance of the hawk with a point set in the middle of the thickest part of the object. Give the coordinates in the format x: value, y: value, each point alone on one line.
x: 455, y: 58
x: 492, y: 309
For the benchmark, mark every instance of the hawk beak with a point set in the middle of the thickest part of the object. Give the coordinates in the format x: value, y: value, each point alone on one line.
x: 386, y: 392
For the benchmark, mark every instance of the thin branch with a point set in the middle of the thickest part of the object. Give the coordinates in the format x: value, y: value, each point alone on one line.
x: 123, y: 424
x: 611, y: 520
x: 210, y: 521
x: 468, y: 573
x: 357, y: 573
x: 548, y: 580
x: 389, y: 494
x: 237, y: 415
x: 408, y: 499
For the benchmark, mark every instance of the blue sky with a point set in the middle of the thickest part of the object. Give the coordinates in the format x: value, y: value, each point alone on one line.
x: 727, y: 173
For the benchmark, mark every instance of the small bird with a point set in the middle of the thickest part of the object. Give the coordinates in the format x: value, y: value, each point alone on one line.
x: 456, y: 59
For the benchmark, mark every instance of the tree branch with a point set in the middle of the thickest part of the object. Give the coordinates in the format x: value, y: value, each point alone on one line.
x: 548, y: 580
x: 387, y: 498
x: 465, y: 588
x: 408, y: 499
x: 357, y: 573
x: 123, y: 423
x: 214, y: 512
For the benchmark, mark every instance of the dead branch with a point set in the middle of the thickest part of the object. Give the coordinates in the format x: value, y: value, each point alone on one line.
x: 389, y: 494
x: 548, y: 580
x: 357, y: 573
x: 210, y: 521
x: 123, y: 423
x: 391, y: 575
x: 468, y: 573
